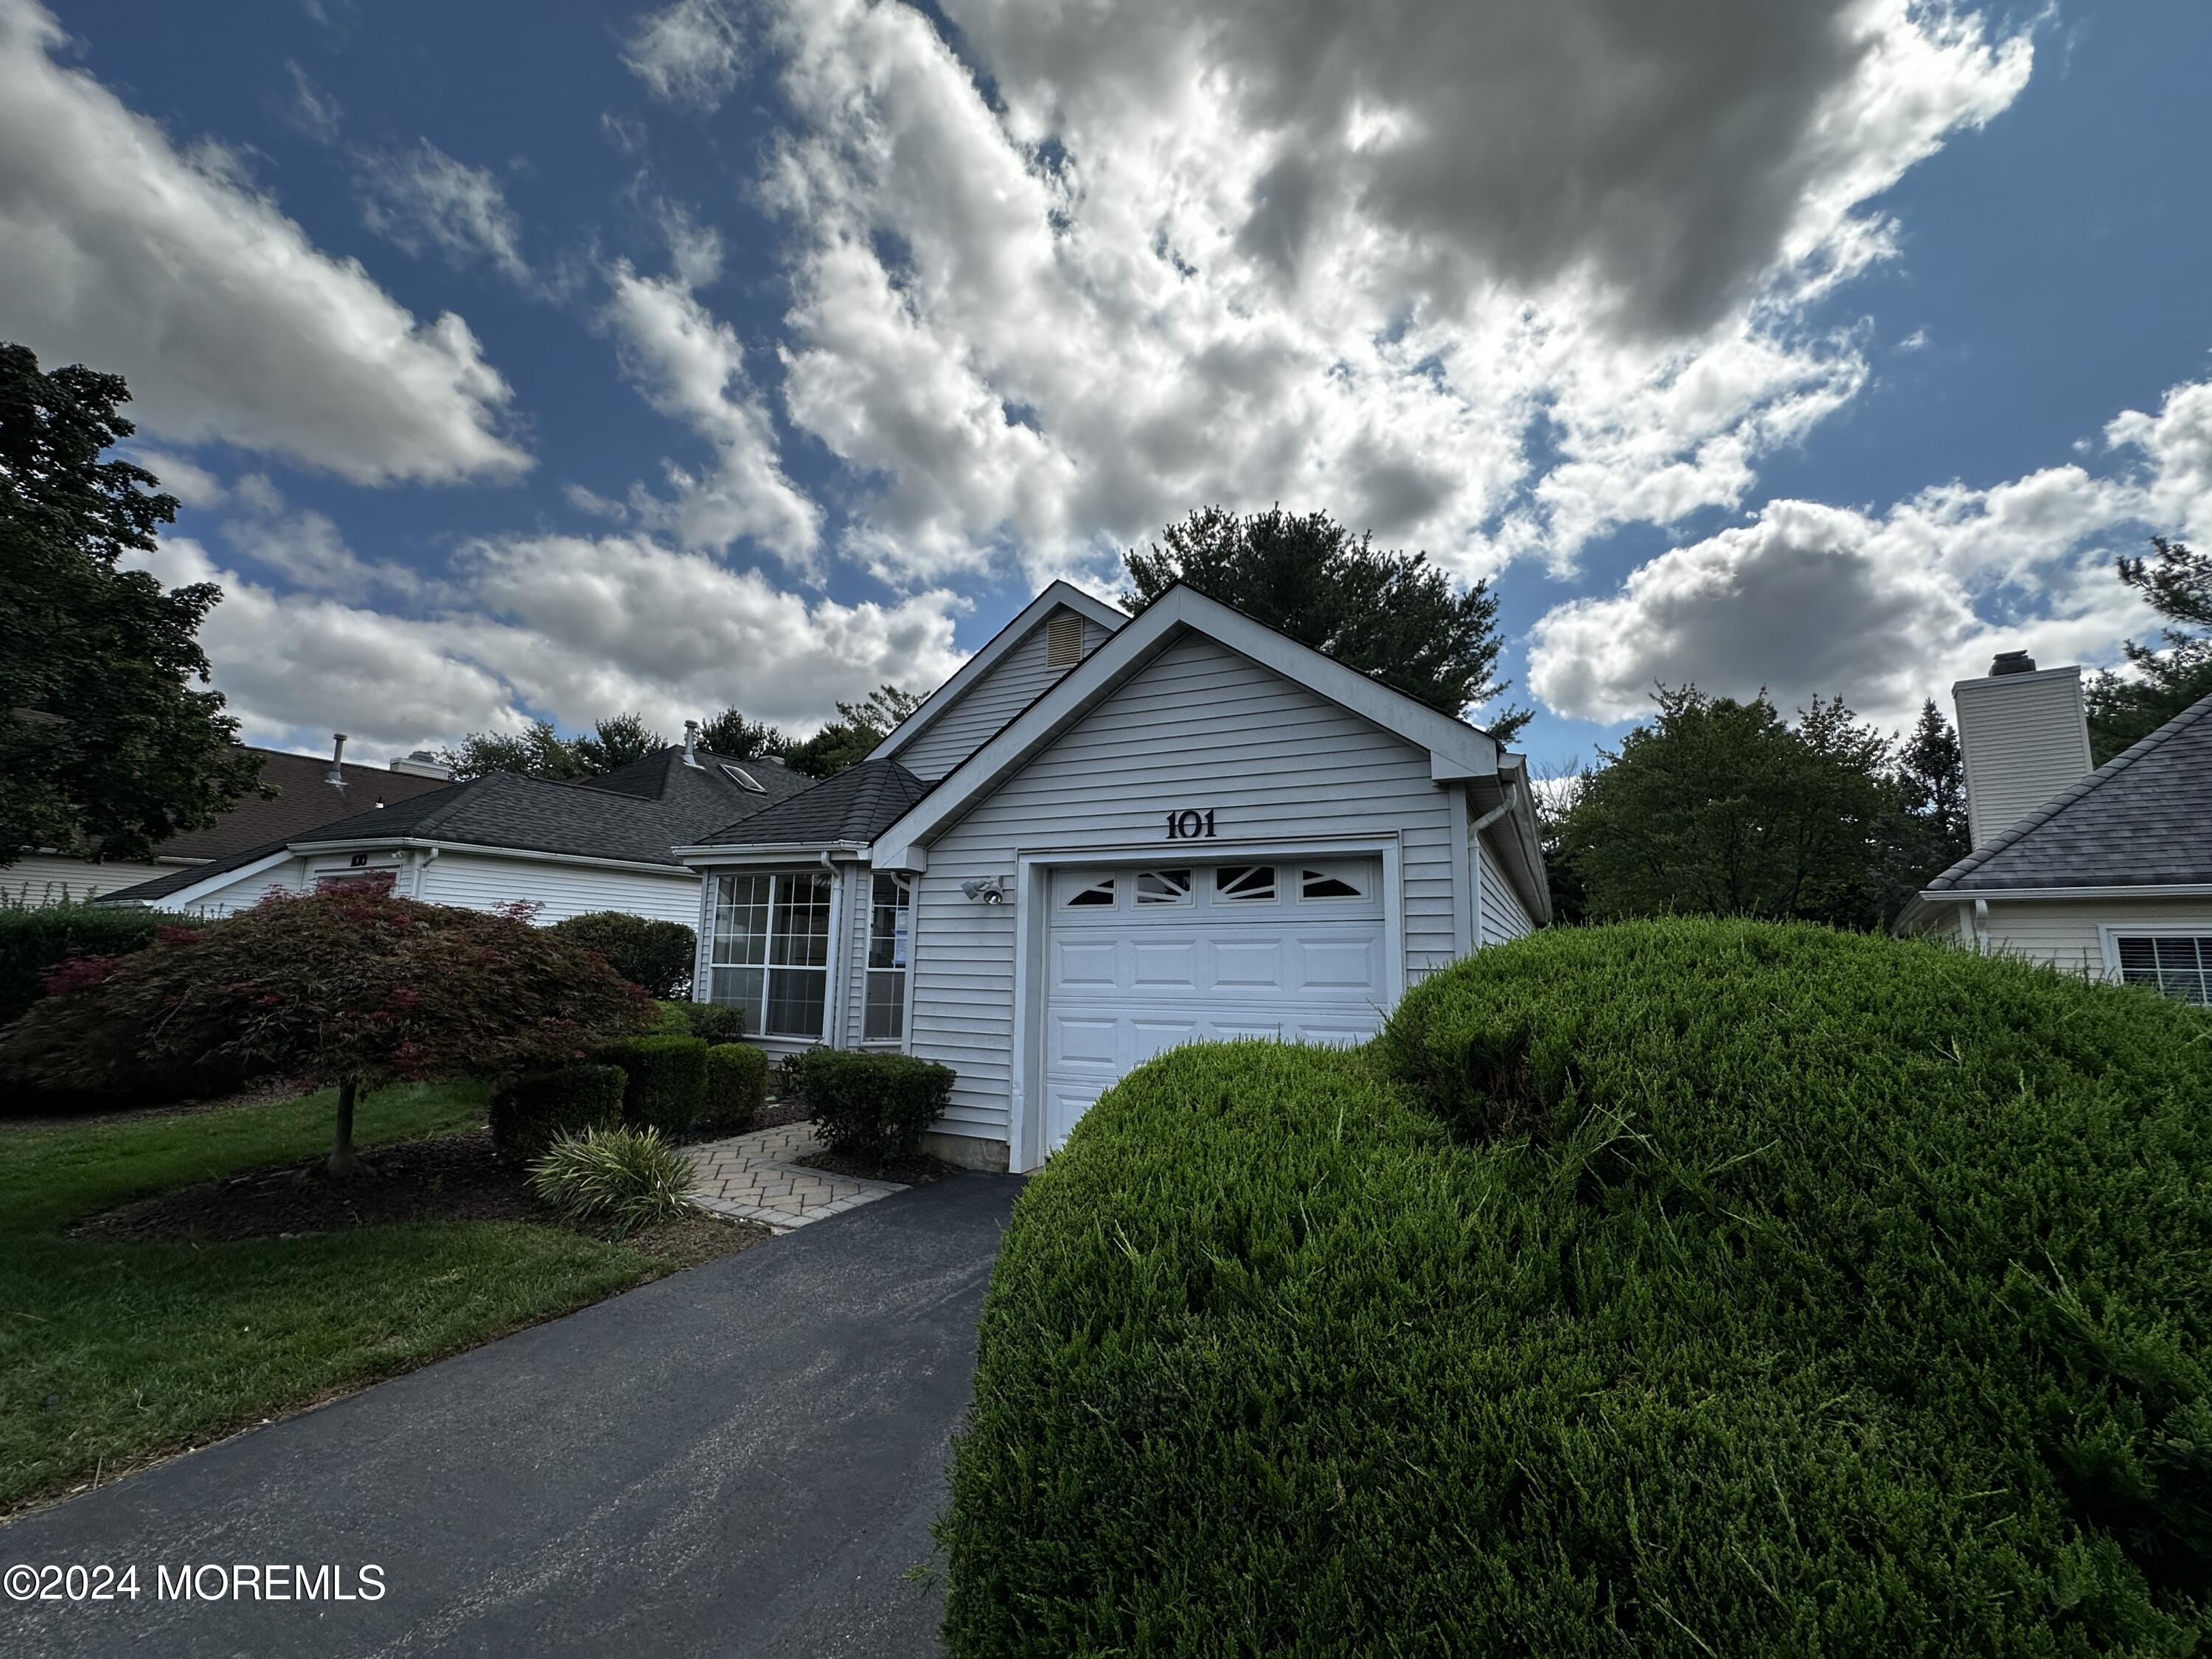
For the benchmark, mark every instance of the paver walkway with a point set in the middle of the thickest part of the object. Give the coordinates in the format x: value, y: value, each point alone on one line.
x: 753, y: 1178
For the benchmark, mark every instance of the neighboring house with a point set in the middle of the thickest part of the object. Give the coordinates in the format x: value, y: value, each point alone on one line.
x: 1105, y: 836
x: 602, y: 844
x: 306, y: 798
x: 2106, y: 873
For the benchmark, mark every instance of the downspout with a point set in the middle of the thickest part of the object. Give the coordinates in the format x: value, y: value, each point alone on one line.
x: 1982, y: 925
x: 1474, y: 845
x: 422, y: 863
x: 833, y: 1013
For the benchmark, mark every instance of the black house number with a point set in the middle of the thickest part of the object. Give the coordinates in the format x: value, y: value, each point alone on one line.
x: 1191, y: 825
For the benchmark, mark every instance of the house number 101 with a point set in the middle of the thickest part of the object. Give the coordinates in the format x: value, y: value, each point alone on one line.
x: 1191, y: 825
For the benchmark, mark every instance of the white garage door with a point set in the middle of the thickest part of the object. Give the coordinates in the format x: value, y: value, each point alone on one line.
x: 1143, y: 958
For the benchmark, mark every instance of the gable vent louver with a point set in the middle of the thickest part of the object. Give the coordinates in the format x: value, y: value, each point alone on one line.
x: 1063, y: 640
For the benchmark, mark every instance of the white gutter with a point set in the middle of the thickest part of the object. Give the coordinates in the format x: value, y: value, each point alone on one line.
x: 409, y: 843
x: 2169, y: 890
x: 787, y: 851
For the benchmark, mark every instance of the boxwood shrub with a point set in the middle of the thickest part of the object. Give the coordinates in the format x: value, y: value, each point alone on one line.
x: 1685, y: 1288
x: 531, y: 1111
x: 737, y: 1088
x: 710, y: 1020
x: 872, y: 1105
x: 665, y: 1080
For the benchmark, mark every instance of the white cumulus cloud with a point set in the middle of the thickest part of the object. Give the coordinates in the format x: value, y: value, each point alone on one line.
x: 119, y: 249
x: 690, y: 53
x: 425, y: 200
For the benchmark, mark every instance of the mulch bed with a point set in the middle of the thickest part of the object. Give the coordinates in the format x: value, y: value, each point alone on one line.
x: 916, y: 1171
x: 776, y: 1114
x: 448, y: 1178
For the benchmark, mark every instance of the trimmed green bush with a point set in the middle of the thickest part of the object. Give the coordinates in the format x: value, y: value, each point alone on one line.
x: 619, y: 1177
x: 667, y: 1080
x: 737, y: 1088
x: 658, y: 955
x: 703, y: 1019
x: 1684, y: 1288
x: 531, y: 1111
x: 872, y: 1105
x: 33, y: 943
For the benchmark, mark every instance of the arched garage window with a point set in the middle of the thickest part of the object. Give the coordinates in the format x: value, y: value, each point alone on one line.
x: 771, y: 955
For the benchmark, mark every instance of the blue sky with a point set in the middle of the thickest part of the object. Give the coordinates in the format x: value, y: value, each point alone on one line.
x: 791, y: 346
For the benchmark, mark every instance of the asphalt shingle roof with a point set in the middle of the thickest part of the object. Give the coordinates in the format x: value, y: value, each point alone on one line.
x: 2141, y: 819
x: 303, y: 802
x: 855, y: 805
x: 639, y: 814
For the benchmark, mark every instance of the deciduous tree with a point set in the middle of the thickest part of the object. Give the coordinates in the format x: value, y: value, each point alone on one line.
x: 859, y: 727
x: 108, y: 744
x: 1391, y: 615
x: 348, y: 987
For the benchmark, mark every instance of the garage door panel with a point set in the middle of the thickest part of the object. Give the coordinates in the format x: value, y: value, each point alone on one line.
x: 1085, y: 962
x: 1084, y: 1041
x: 1164, y: 964
x: 1129, y: 981
x: 1331, y: 964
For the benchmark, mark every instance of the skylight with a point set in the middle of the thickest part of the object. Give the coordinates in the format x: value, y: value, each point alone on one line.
x: 743, y: 779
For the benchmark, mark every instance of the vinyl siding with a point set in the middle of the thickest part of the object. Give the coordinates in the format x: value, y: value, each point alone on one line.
x: 480, y: 882
x: 1201, y: 726
x: 1504, y: 915
x: 1019, y: 678
x: 2023, y: 739
x: 2063, y: 932
x: 38, y: 879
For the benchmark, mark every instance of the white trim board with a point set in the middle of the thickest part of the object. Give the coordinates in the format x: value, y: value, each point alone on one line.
x: 1457, y: 751
x: 1059, y: 594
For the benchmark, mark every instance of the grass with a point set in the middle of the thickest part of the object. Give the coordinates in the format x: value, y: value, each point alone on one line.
x: 112, y: 1354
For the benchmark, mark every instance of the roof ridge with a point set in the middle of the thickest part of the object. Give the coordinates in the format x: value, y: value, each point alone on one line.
x: 2014, y: 833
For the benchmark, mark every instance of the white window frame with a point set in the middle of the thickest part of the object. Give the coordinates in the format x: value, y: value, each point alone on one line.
x: 768, y: 966
x: 2110, y: 933
x: 904, y: 970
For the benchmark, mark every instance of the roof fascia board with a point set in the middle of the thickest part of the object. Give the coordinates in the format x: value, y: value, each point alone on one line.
x: 1457, y: 752
x: 415, y: 843
x: 1058, y: 594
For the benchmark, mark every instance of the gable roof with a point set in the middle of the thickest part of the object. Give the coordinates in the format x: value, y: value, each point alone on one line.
x: 851, y: 806
x: 2141, y: 819
x: 1458, y: 752
x: 1057, y: 595
x: 653, y: 805
x: 304, y: 800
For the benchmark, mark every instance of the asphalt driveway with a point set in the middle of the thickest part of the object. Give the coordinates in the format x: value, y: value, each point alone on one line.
x: 742, y: 1459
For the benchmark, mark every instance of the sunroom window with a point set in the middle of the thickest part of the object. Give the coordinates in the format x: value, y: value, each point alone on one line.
x: 889, y: 931
x: 771, y: 951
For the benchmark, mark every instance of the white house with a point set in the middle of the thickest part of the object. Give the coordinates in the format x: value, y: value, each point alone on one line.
x: 605, y: 844
x: 1105, y: 836
x: 307, y: 792
x: 2106, y: 872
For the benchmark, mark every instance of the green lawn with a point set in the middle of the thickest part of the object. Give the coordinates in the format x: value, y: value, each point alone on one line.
x: 152, y: 1348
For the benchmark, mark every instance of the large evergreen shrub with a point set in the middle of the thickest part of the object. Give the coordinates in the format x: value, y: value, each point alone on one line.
x: 658, y: 955
x: 1679, y: 1288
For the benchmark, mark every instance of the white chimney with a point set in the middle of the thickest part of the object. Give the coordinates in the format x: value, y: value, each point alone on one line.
x: 2024, y: 737
x: 422, y: 763
x: 336, y: 776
